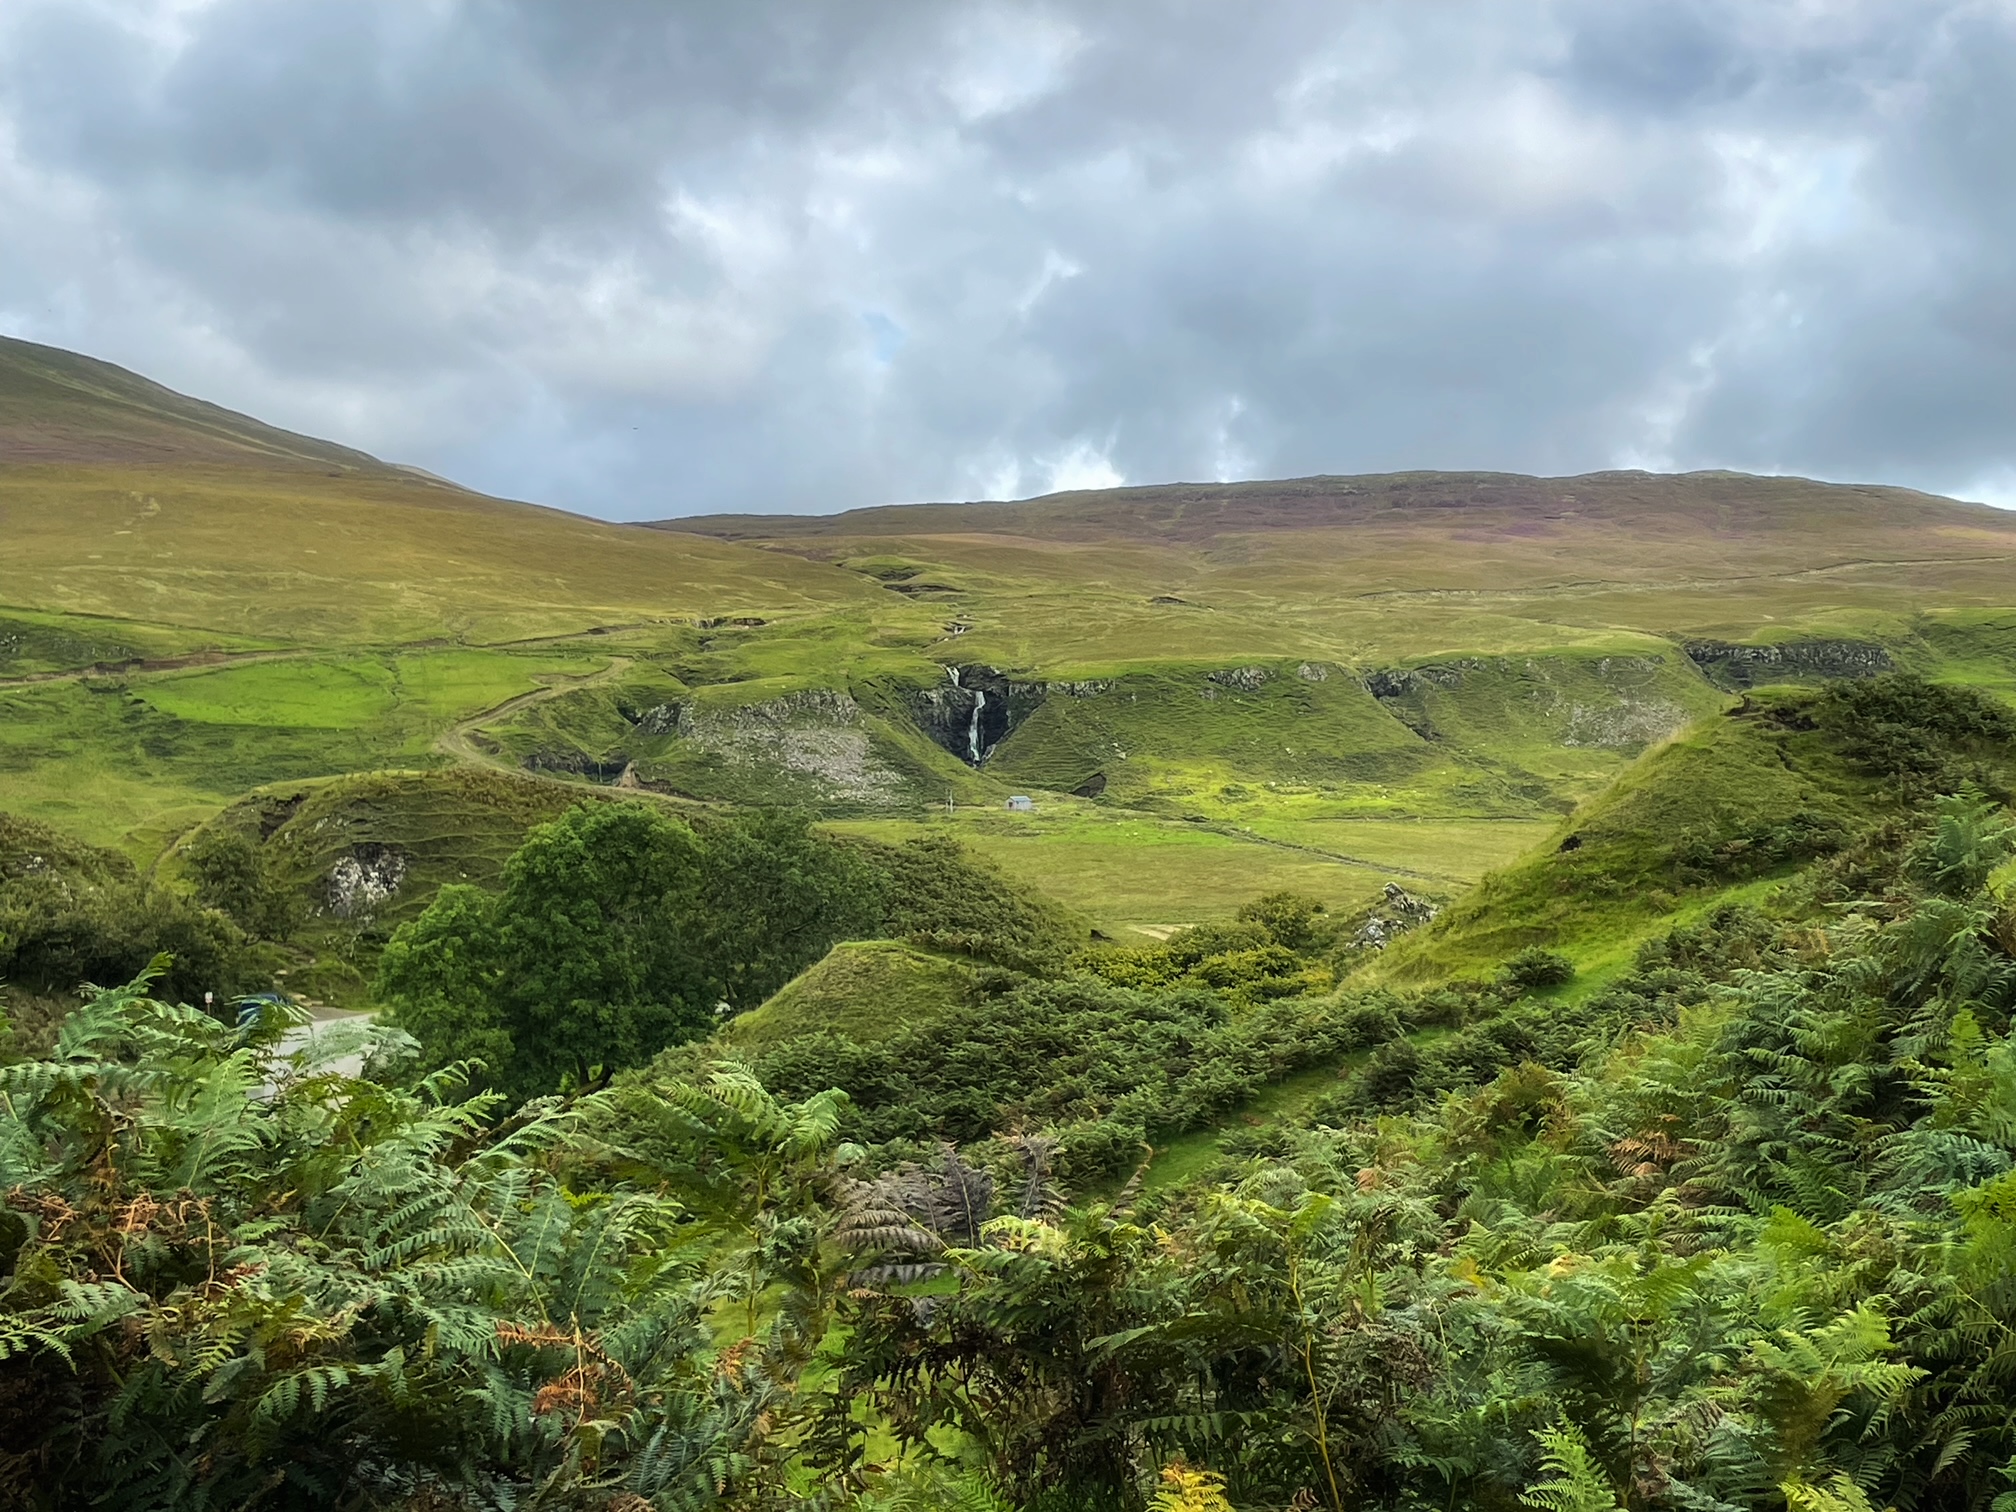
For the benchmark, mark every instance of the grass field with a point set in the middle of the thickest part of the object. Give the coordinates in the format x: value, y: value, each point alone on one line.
x: 1134, y: 873
x: 130, y: 759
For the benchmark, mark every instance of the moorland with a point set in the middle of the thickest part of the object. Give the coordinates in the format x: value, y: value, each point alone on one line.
x: 1496, y: 994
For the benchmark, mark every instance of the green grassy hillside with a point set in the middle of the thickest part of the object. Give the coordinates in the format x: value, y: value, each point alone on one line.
x: 1737, y: 805
x: 1325, y: 684
x: 1514, y: 973
x: 58, y: 406
x: 121, y: 499
x: 1413, y: 565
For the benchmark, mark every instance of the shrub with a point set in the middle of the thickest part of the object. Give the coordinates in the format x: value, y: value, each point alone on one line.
x: 1535, y: 968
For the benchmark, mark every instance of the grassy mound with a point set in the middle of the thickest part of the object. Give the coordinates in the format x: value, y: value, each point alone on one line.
x: 457, y: 825
x: 865, y: 990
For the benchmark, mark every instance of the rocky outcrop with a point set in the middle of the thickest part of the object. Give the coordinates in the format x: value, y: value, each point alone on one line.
x: 816, y: 735
x: 1393, y: 915
x: 659, y: 719
x: 565, y: 763
x: 1401, y: 682
x: 1240, y: 679
x: 1730, y: 664
x: 1629, y: 724
x: 363, y: 879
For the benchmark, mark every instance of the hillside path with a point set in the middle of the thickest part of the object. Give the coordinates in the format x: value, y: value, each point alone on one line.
x: 456, y: 740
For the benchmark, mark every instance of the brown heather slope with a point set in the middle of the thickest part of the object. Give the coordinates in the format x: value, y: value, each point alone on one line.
x: 121, y: 498
x: 1412, y: 565
x: 1455, y: 529
x: 63, y: 408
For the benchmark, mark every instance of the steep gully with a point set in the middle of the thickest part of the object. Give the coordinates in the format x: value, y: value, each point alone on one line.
x: 975, y: 752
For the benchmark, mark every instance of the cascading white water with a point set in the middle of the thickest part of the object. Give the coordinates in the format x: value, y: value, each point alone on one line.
x: 973, y: 748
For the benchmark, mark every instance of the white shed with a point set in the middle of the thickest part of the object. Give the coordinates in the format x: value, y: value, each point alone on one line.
x: 1022, y: 805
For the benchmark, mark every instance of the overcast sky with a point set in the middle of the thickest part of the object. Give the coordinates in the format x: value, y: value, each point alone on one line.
x: 654, y: 257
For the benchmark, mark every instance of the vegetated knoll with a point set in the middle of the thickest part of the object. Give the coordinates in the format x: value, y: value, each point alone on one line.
x: 120, y: 498
x: 1788, y: 777
x: 866, y: 990
x: 353, y: 857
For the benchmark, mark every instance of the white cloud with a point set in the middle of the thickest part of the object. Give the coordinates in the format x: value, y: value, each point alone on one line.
x: 647, y: 260
x: 1082, y: 465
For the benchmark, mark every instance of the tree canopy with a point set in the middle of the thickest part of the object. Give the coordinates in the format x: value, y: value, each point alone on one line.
x: 615, y: 931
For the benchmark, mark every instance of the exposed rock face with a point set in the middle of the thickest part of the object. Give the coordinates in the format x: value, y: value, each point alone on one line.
x: 815, y: 734
x: 1398, y: 682
x: 659, y: 719
x: 972, y: 711
x: 275, y: 812
x: 1629, y: 724
x: 1396, y: 913
x: 577, y: 764
x: 1731, y: 665
x: 359, y: 882
x: 1245, y: 679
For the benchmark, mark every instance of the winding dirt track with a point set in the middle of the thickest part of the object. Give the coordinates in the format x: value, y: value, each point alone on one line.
x: 456, y: 740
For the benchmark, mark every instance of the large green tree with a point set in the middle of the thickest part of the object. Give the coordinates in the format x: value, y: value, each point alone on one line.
x: 777, y: 896
x: 617, y: 931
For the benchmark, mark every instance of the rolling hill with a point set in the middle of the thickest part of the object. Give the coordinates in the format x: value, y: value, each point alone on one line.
x: 1415, y: 563
x: 1210, y: 690
x: 122, y: 500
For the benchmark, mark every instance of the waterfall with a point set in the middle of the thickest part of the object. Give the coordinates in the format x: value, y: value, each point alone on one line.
x: 973, y: 748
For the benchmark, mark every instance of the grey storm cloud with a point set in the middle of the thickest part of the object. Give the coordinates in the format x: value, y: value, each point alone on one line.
x: 645, y: 259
